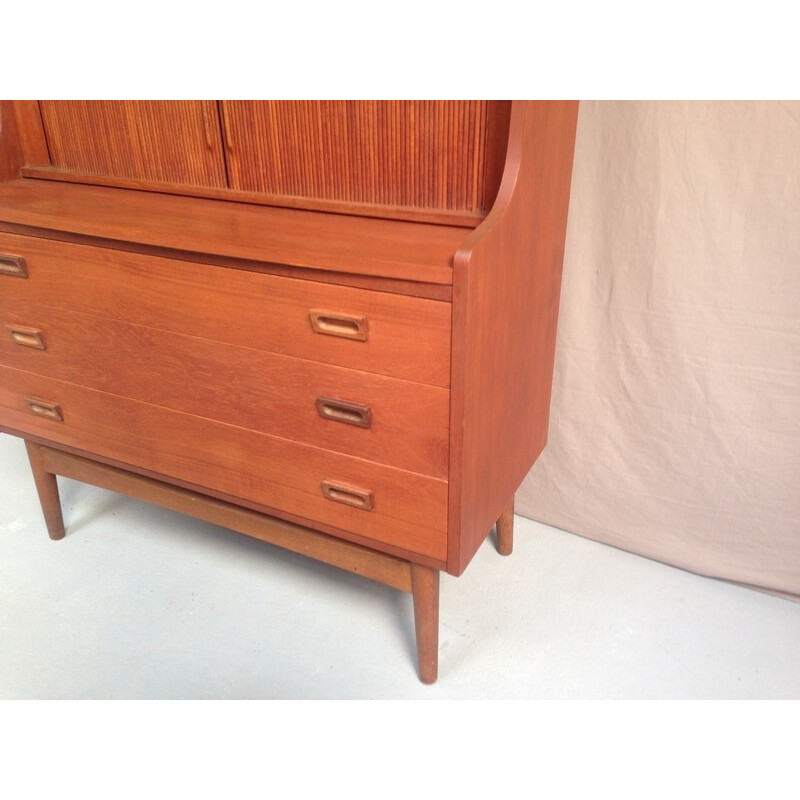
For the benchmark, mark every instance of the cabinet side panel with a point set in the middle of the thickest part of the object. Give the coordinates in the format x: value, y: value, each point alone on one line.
x: 498, y: 118
x: 30, y: 130
x: 392, y: 153
x: 22, y: 140
x: 507, y: 281
x: 10, y: 150
x: 167, y: 141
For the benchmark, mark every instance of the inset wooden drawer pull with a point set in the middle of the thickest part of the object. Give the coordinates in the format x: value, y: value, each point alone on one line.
x: 332, y: 323
x: 45, y: 409
x: 27, y: 337
x: 344, y: 411
x: 350, y: 496
x: 13, y: 265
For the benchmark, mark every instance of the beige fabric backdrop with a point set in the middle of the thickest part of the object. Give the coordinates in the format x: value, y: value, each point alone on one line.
x: 675, y: 426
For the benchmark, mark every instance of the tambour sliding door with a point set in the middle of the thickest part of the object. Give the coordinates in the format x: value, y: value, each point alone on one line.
x: 419, y: 154
x: 176, y: 142
x: 436, y: 161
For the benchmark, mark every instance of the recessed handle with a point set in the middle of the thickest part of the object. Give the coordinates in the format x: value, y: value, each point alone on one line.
x: 26, y: 337
x: 44, y: 409
x: 348, y: 495
x: 344, y: 411
x: 13, y: 265
x: 332, y: 323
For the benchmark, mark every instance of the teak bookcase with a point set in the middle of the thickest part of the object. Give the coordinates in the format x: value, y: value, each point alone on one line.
x: 329, y: 325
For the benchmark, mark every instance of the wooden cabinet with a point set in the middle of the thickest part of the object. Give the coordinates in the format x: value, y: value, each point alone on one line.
x: 329, y: 325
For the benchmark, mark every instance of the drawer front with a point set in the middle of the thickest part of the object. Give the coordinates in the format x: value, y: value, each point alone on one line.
x: 381, y: 503
x: 377, y: 332
x: 378, y: 418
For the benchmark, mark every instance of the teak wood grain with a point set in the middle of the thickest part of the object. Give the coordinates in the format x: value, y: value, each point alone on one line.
x: 259, y: 508
x: 409, y: 510
x: 430, y: 291
x: 408, y: 337
x: 47, y: 489
x: 462, y: 219
x: 264, y: 392
x: 340, y: 243
x: 352, y: 328
x: 11, y: 159
x: 30, y: 132
x: 426, y: 161
x: 505, y: 530
x: 359, y: 560
x: 425, y: 585
x: 422, y: 582
x: 384, y: 153
x: 174, y: 141
x: 507, y: 280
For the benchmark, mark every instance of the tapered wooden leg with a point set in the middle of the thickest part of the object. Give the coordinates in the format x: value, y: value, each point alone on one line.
x: 425, y: 591
x: 505, y: 530
x: 47, y: 487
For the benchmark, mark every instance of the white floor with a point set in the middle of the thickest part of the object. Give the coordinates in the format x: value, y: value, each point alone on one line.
x: 138, y: 602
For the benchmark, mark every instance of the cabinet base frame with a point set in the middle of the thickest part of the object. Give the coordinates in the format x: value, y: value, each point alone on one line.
x: 422, y: 582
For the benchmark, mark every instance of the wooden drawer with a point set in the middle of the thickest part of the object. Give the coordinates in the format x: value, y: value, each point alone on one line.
x: 383, y: 419
x: 387, y: 334
x: 384, y: 504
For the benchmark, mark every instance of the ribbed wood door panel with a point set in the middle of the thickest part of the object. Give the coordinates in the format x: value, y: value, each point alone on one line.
x: 155, y: 140
x: 436, y: 155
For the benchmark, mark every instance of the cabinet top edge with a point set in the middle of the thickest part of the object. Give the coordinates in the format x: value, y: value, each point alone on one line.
x: 382, y: 248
